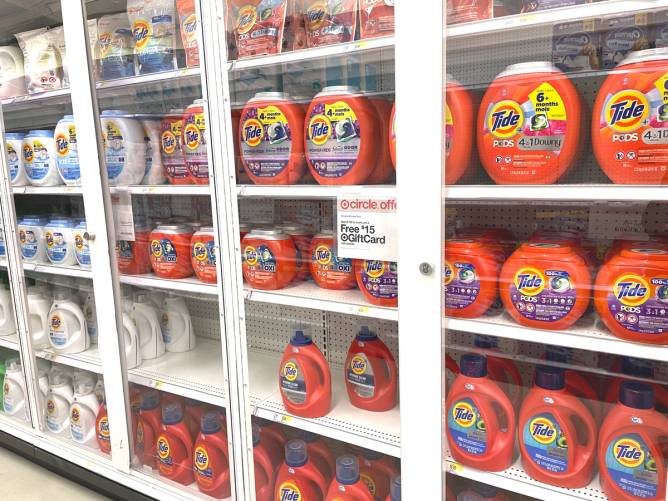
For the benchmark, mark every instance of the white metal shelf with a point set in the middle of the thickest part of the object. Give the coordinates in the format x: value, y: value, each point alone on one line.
x: 47, y: 190
x: 587, y: 334
x: 148, y: 79
x: 551, y: 16
x: 11, y: 342
x: 309, y: 295
x: 179, y: 491
x: 69, y: 271
x: 569, y: 192
x: 39, y: 97
x: 88, y: 360
x: 327, y: 51
x: 164, y: 189
x: 190, y: 284
x: 377, y: 431
x: 314, y: 191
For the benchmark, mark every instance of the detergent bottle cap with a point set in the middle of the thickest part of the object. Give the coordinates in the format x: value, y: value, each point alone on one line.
x: 301, y: 339
x: 211, y: 423
x: 550, y: 378
x: 636, y: 367
x: 295, y: 453
x: 395, y: 489
x: 636, y: 395
x: 486, y: 491
x: 486, y: 342
x: 256, y: 435
x: 172, y: 413
x: 473, y: 365
x: 150, y: 400
x: 308, y: 437
x: 347, y: 470
x: 366, y: 335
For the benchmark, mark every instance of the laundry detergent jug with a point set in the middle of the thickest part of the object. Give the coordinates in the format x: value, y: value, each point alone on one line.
x: 149, y: 424
x: 7, y: 321
x: 102, y: 434
x: 298, y: 478
x: 83, y: 413
x: 348, y: 486
x: 174, y: 446
x: 131, y: 340
x: 319, y: 453
x: 67, y: 325
x: 264, y: 467
x: 638, y: 368
x: 147, y: 319
x: 376, y: 471
x: 14, y: 390
x: 58, y: 400
x: 211, y: 461
x: 501, y: 370
x: 177, y: 327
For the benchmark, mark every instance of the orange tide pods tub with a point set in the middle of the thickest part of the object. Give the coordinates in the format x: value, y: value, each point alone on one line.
x: 631, y: 294
x: 378, y: 282
x: 630, y: 124
x: 459, y: 120
x: 269, y: 259
x: 545, y: 285
x: 529, y: 125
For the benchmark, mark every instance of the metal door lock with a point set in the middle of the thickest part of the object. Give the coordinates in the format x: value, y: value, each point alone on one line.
x: 89, y: 237
x: 426, y: 269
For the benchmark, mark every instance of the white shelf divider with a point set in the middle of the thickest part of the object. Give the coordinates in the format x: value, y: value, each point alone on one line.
x: 68, y: 271
x: 35, y: 98
x: 11, y: 342
x: 147, y: 79
x: 314, y: 191
x: 190, y: 284
x: 88, y: 360
x: 47, y: 190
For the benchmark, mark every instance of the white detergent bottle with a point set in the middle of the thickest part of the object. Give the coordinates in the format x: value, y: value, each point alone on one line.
x: 157, y: 298
x: 7, y: 322
x: 67, y: 325
x: 58, y: 401
x: 14, y: 390
x: 91, y: 315
x: 83, y: 413
x: 38, y: 317
x: 147, y: 320
x: 131, y: 338
x: 43, y: 376
x: 177, y: 326
x: 99, y: 389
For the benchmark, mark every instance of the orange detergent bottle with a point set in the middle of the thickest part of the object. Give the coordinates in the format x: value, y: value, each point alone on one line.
x: 630, y: 120
x: 501, y: 370
x: 556, y: 432
x: 480, y: 424
x: 545, y: 285
x: 631, y: 294
x: 319, y: 454
x: 194, y: 412
x: 471, y: 272
x: 265, y: 468
x: 175, y: 446
x: 638, y: 368
x: 630, y: 459
x: 348, y: 486
x: 298, y: 478
x: 149, y: 425
x: 395, y: 490
x: 378, y: 281
x: 529, y: 125
x: 459, y: 134
x: 376, y: 471
x: 383, y: 169
x: 482, y: 492
x: 371, y: 373
x: 304, y: 378
x: 211, y: 461
x: 102, y: 429
x: 269, y: 259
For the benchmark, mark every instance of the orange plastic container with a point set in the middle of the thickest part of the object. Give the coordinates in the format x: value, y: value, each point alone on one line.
x: 274, y: 440
x: 268, y: 259
x: 203, y: 255
x: 459, y: 124
x: 348, y: 486
x: 501, y: 370
x: 376, y: 471
x: 378, y: 282
x: 258, y: 26
x: 271, y: 140
x: 376, y: 19
x: 319, y: 454
x: 170, y: 251
x: 171, y: 148
x: 393, y: 136
x: 298, y: 478
x: 630, y: 124
x: 480, y: 424
x: 370, y: 373
x: 211, y: 462
x: 102, y: 429
x: 471, y: 278
x: 529, y: 125
x: 265, y: 469
x: 327, y: 269
x: 384, y: 169
x: 342, y: 136
x: 630, y: 458
x: 556, y: 432
x: 193, y: 141
x: 328, y: 24
x: 149, y: 425
x: 546, y: 286
x: 302, y: 238
x: 133, y: 256
x: 630, y: 293
x: 304, y: 378
x: 175, y: 446
x: 637, y: 368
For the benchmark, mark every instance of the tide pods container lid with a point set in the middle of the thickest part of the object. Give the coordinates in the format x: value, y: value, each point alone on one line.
x: 61, y: 222
x: 33, y: 220
x: 39, y: 133
x: 271, y: 96
x: 645, y: 56
x: 338, y: 90
x: 14, y: 136
x: 205, y: 230
x: 114, y: 113
x: 174, y: 229
x: 528, y: 68
x: 273, y: 235
x: 67, y: 119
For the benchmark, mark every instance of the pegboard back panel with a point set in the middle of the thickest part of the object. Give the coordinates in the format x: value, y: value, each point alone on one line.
x: 315, y: 215
x: 194, y: 208
x: 342, y: 329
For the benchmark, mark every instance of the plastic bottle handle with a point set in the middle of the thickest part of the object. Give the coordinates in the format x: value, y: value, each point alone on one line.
x: 78, y: 314
x: 588, y: 449
x: 268, y: 468
x: 317, y: 478
x: 325, y: 375
x: 391, y: 367
x: 513, y: 378
x: 507, y: 436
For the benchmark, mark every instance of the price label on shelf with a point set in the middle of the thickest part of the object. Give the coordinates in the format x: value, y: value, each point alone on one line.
x: 366, y: 228
x: 456, y: 467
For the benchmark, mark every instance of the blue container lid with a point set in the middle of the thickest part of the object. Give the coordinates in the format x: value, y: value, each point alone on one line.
x: 637, y: 367
x: 150, y: 399
x: 172, y: 413
x: 485, y: 342
x: 81, y: 224
x: 40, y: 133
x: 61, y: 222
x: 395, y: 489
x: 256, y: 435
x: 67, y: 118
x: 366, y: 335
x: 295, y: 453
x: 347, y: 470
x: 33, y: 221
x: 485, y: 490
x: 14, y: 135
x: 549, y: 377
x: 114, y: 113
x: 471, y: 365
x: 191, y: 402
x: 636, y: 395
x: 211, y: 423
x: 301, y: 339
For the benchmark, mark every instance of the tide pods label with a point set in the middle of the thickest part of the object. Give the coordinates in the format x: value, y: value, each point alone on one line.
x: 360, y: 376
x: 38, y: 160
x: 194, y: 145
x: 292, y: 382
x: 462, y: 285
x: 543, y: 295
x: 640, y: 303
x: 631, y: 466
x: 545, y: 443
x: 467, y: 427
x: 67, y: 154
x: 81, y: 249
x: 329, y: 266
x: 379, y: 278
x: 266, y: 140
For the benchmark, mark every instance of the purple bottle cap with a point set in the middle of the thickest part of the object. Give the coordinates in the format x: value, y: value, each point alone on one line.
x: 637, y: 367
x: 366, y: 335
x: 486, y: 342
x: 550, y: 378
x: 636, y: 395
x: 300, y: 339
x: 172, y: 413
x: 211, y: 423
x: 473, y: 365
x: 150, y: 400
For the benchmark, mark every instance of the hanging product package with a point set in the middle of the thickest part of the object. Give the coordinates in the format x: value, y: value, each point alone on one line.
x: 154, y: 30
x: 57, y: 38
x: 115, y: 47
x: 376, y: 18
x: 41, y: 61
x: 258, y: 26
x: 295, y: 27
x: 92, y: 40
x: 330, y: 21
x: 188, y: 29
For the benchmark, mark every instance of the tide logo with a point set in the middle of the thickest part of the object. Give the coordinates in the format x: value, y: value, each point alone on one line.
x: 628, y: 452
x: 358, y: 364
x: 369, y: 482
x: 505, y: 118
x: 103, y: 428
x: 463, y: 414
x: 79, y: 241
x: 290, y: 371
x: 55, y: 322
x: 168, y: 142
x: 189, y: 26
x: 62, y: 144
x: 141, y: 31
x: 319, y: 130
x: 201, y: 459
x: 28, y: 153
x: 75, y: 415
x: 22, y: 236
x: 191, y: 136
x: 162, y: 446
x: 631, y: 290
x: 199, y: 251
x: 50, y: 241
x: 251, y: 255
x: 529, y: 281
x: 543, y: 430
x: 316, y: 15
x: 156, y: 248
x: 322, y: 255
x: 288, y: 491
x: 252, y: 132
x: 104, y: 43
x: 626, y: 110
x: 247, y: 19
x: 50, y: 407
x: 448, y: 273
x: 374, y: 269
